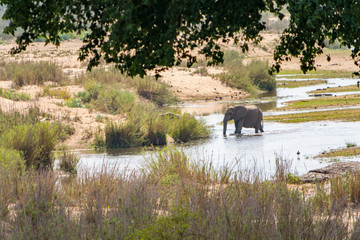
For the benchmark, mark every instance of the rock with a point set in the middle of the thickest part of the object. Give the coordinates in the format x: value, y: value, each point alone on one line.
x: 331, y: 171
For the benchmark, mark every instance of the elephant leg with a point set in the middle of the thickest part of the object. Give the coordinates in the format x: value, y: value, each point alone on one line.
x: 236, y: 125
x: 261, y: 128
x: 239, y: 124
x: 256, y: 130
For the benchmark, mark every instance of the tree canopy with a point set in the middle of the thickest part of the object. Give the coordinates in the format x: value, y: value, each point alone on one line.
x: 141, y: 35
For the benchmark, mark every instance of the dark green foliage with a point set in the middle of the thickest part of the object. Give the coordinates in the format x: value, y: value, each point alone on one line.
x: 314, y: 24
x: 140, y: 36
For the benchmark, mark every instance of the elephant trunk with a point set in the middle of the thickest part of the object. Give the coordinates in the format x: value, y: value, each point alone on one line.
x: 225, y: 125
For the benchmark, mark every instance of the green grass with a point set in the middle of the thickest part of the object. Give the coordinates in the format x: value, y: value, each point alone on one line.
x: 315, y: 74
x: 345, y: 152
x: 323, y: 102
x: 13, y: 95
x: 295, y: 84
x: 352, y: 88
x: 343, y: 115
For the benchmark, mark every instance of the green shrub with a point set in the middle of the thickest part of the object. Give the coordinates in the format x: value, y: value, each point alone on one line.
x: 10, y: 158
x: 178, y: 225
x: 35, y: 141
x: 26, y: 73
x: 12, y: 95
x: 187, y: 128
x: 248, y: 77
x: 259, y: 75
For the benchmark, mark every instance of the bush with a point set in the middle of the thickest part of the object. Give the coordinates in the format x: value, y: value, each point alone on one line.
x: 74, y: 103
x: 248, y: 77
x: 187, y: 128
x: 35, y: 141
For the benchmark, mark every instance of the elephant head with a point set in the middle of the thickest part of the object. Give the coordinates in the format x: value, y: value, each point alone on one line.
x: 233, y: 113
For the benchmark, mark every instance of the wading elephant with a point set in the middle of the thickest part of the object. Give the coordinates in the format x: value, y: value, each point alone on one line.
x: 248, y: 117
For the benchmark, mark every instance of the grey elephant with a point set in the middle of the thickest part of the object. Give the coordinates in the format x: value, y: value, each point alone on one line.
x: 248, y: 117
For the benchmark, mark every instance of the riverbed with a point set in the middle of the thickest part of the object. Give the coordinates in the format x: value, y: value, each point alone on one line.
x: 251, y: 150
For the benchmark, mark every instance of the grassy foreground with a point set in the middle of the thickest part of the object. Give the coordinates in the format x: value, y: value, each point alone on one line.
x: 323, y: 102
x: 343, y: 115
x: 295, y: 84
x: 173, y: 197
x: 352, y: 88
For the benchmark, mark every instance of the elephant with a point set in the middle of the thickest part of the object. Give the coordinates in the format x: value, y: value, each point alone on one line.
x: 248, y: 117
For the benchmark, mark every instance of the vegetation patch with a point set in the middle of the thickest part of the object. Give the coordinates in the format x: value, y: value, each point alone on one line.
x: 352, y: 88
x: 250, y: 77
x: 150, y: 127
x: 101, y: 80
x: 343, y: 115
x: 295, y: 84
x: 13, y: 95
x: 323, y: 102
x: 56, y: 92
x: 28, y: 73
x: 298, y: 74
x: 350, y: 150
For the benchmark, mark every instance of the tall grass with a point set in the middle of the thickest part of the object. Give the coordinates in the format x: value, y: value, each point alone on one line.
x: 172, y: 197
x: 23, y: 135
x: 35, y: 142
x: 148, y: 126
x: 26, y: 73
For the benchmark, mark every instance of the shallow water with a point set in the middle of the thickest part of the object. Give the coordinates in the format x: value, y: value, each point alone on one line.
x: 250, y: 149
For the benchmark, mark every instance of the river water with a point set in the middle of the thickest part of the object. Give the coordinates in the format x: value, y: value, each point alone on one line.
x: 252, y: 150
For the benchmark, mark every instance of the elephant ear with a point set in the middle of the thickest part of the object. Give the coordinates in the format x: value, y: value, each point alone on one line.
x: 240, y: 112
